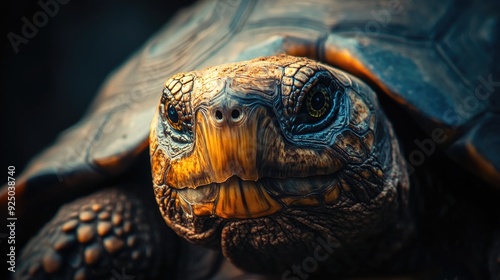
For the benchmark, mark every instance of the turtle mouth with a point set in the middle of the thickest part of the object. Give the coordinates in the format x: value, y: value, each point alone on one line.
x: 243, y: 199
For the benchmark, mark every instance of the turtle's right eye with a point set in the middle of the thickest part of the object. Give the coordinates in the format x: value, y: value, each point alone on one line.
x: 318, y: 102
x: 173, y: 117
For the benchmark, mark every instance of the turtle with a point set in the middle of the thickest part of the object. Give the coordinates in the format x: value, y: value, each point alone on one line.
x: 291, y: 140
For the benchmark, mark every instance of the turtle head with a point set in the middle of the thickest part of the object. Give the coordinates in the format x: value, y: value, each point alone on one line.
x: 270, y: 158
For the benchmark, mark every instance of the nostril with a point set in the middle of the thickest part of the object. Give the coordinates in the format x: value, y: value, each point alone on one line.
x: 235, y: 114
x: 218, y: 115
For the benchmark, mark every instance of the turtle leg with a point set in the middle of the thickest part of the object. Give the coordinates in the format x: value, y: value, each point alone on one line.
x: 111, y: 234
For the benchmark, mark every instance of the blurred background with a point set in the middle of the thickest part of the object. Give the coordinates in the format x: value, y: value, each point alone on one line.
x: 48, y: 84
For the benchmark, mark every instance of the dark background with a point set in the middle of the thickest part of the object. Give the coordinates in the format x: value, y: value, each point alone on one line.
x: 47, y: 86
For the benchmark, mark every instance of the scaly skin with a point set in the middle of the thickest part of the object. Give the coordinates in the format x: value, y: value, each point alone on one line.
x: 98, y: 237
x: 268, y: 158
x: 282, y: 191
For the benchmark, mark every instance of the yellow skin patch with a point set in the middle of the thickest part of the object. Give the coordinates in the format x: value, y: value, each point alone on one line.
x: 220, y: 152
x: 244, y: 199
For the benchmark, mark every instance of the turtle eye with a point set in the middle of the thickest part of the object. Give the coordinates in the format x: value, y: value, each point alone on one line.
x: 318, y: 102
x: 173, y: 117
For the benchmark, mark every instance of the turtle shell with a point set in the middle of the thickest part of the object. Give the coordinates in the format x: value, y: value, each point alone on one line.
x: 437, y: 60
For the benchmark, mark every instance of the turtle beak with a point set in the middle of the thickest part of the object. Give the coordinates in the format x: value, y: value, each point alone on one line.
x: 226, y: 145
x: 224, y: 162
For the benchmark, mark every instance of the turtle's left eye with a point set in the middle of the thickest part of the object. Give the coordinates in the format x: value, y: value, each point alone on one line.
x: 318, y: 102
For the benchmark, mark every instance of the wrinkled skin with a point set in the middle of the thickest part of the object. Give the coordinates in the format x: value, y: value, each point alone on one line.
x: 248, y: 159
x: 289, y: 169
x: 268, y: 158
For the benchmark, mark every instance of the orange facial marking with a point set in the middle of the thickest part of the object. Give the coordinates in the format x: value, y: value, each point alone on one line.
x: 331, y: 195
x: 244, y: 199
x: 311, y: 200
x: 203, y: 209
x: 159, y: 163
x: 220, y: 152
